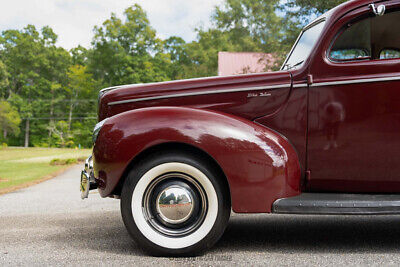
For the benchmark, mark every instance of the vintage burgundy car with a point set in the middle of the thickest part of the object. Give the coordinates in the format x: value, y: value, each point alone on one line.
x: 321, y: 136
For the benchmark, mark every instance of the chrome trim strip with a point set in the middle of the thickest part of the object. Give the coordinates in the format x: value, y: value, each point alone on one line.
x: 200, y: 93
x: 300, y: 85
x: 395, y: 78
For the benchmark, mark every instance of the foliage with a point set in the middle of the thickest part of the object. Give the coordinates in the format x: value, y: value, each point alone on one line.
x: 9, y: 119
x: 3, y: 79
x: 122, y: 50
x: 305, y: 9
x: 55, y: 162
x: 37, y: 74
x: 50, y: 94
x: 239, y: 26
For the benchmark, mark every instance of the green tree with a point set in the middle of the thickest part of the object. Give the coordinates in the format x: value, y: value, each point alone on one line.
x: 238, y: 26
x: 122, y: 50
x: 9, y: 119
x: 252, y: 25
x: 37, y: 70
x: 79, y: 55
x: 3, y: 79
x: 54, y: 91
x: 60, y: 133
x: 304, y: 10
x: 81, y: 86
x: 82, y: 91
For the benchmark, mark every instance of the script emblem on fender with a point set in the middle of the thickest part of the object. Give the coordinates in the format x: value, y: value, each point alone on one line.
x: 262, y: 94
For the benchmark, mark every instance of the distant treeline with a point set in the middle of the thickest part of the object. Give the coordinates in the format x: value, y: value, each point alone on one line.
x: 48, y: 95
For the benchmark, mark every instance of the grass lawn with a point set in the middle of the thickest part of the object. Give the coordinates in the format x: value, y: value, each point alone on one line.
x: 22, y: 166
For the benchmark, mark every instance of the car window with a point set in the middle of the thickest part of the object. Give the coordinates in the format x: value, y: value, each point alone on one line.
x: 389, y: 54
x: 353, y: 42
x: 303, y: 47
x: 368, y: 39
x: 350, y: 54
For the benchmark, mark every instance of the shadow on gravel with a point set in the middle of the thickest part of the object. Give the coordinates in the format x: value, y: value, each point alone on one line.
x: 269, y: 233
x: 317, y: 234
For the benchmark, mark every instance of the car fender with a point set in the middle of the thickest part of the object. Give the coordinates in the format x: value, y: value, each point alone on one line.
x: 260, y: 165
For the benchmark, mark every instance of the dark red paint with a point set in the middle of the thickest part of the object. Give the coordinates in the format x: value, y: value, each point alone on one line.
x: 345, y: 136
x: 367, y: 136
x: 259, y: 164
x: 234, y: 103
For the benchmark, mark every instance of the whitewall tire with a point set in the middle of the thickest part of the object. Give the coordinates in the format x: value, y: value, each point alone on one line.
x: 175, y: 204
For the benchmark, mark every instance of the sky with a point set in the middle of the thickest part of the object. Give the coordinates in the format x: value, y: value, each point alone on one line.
x: 73, y: 20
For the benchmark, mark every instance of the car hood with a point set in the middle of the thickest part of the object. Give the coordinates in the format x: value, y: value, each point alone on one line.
x: 249, y: 95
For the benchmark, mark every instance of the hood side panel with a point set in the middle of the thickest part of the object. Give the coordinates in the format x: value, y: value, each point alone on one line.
x: 253, y: 95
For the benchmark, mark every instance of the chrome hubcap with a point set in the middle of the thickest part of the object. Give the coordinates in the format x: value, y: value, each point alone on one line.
x: 174, y: 204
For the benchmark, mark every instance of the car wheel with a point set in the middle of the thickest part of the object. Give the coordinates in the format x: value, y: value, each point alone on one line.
x: 175, y: 204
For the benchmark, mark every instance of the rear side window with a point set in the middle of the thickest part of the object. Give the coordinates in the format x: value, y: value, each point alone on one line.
x: 372, y: 38
x: 351, y: 54
x: 389, y: 53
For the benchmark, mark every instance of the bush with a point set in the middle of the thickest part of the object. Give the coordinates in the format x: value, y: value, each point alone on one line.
x: 57, y: 162
x: 71, y: 161
x: 70, y: 144
x: 4, y: 145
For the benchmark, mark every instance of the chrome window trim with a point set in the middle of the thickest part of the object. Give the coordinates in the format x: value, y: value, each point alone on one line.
x: 200, y: 93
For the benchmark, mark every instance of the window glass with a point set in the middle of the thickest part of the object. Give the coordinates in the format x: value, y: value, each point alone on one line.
x: 372, y: 38
x: 354, y: 42
x: 389, y: 53
x: 349, y: 54
x: 302, y: 49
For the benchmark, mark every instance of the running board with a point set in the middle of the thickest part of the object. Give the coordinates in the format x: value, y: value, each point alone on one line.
x: 327, y: 203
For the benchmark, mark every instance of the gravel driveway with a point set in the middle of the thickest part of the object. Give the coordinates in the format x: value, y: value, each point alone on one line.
x: 48, y: 224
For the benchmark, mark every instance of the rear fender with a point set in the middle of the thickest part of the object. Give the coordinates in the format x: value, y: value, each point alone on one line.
x: 259, y: 164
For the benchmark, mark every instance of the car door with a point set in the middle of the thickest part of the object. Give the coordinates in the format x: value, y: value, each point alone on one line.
x: 354, y: 106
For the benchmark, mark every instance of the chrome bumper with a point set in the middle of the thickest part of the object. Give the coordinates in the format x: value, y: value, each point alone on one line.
x: 87, y: 178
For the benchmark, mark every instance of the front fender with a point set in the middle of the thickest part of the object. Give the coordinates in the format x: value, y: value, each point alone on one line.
x: 260, y: 165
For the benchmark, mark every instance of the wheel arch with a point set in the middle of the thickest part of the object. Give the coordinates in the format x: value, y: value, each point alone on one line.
x: 259, y: 165
x: 173, y: 146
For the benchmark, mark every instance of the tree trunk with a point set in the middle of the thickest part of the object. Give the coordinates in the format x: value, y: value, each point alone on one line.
x: 70, y: 116
x: 51, y: 113
x: 5, y: 133
x: 27, y: 133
